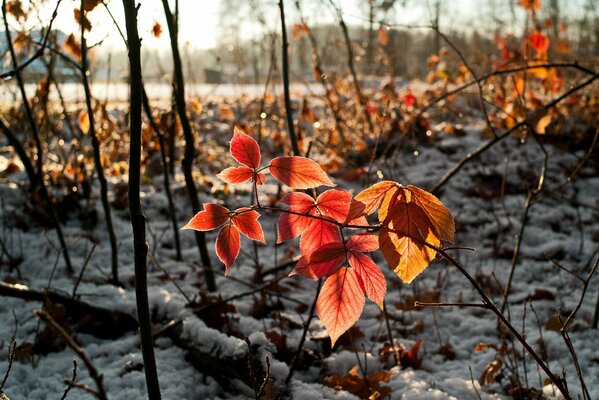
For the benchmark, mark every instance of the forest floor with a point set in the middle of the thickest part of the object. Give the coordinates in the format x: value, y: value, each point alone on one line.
x: 457, y: 351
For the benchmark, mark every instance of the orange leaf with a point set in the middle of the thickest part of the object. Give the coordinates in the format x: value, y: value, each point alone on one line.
x: 340, y: 302
x: 531, y: 5
x: 83, y: 121
x: 334, y: 204
x: 318, y: 234
x: 227, y: 246
x: 539, y: 42
x: 156, y: 30
x: 371, y: 278
x: 292, y: 225
x: 364, y: 242
x: 298, y: 172
x: 212, y: 217
x: 383, y: 36
x: 260, y: 178
x: 302, y: 267
x: 438, y: 215
x: 246, y: 221
x: 325, y: 260
x: 368, y: 200
x: 244, y: 149
x: 402, y: 241
x: 235, y: 175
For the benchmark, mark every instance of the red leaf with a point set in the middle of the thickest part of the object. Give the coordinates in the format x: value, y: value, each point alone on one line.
x: 234, y: 175
x: 334, y: 204
x: 260, y: 178
x: 327, y: 258
x: 302, y: 267
x: 340, y: 302
x: 212, y: 217
x: 370, y: 276
x: 298, y: 172
x: 292, y: 225
x: 539, y: 42
x: 247, y: 222
x: 227, y: 246
x: 364, y: 242
x: 244, y: 149
x: 368, y: 200
x: 318, y: 234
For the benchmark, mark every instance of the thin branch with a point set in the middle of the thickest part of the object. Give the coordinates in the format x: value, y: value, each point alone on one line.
x: 285, y: 61
x: 93, y: 372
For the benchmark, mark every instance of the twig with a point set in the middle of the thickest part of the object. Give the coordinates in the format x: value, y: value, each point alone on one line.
x: 97, y: 153
x: 93, y: 372
x: 12, y: 349
x: 390, y: 334
x: 170, y: 278
x: 70, y: 383
x: 83, y: 268
x: 189, y: 152
x: 285, y: 60
x: 473, y: 383
x: 266, y: 378
x: 300, y: 346
x: 558, y: 382
x: 474, y: 154
x: 251, y: 367
x: 568, y: 341
x: 439, y: 305
x: 18, y: 68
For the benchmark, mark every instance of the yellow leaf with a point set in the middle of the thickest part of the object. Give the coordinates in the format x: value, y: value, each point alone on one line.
x: 83, y: 122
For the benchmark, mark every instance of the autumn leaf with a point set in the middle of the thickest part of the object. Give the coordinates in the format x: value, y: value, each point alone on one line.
x: 244, y: 149
x: 72, y: 45
x: 235, y: 175
x: 361, y: 386
x: 298, y: 172
x: 210, y: 218
x: 325, y: 260
x: 383, y: 36
x: 156, y: 30
x: 332, y: 204
x: 402, y: 241
x: 83, y: 121
x: 295, y: 222
x: 227, y: 246
x: 340, y: 302
x: 531, y: 5
x: 89, y: 5
x: 246, y: 220
x: 539, y: 42
x: 318, y: 234
x: 438, y: 215
x: 368, y: 200
x: 371, y: 278
x: 364, y: 242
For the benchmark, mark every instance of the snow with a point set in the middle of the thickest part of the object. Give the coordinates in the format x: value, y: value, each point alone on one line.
x: 558, y: 227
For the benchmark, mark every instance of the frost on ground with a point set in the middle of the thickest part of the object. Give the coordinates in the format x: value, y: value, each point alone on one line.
x: 460, y: 347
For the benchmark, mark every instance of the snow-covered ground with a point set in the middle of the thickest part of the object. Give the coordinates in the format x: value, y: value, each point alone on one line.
x: 564, y: 225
